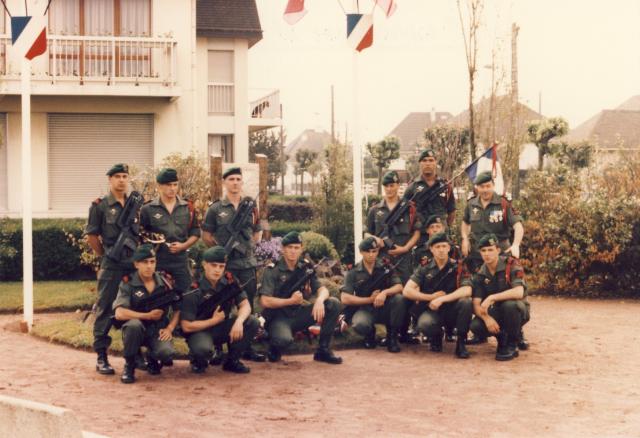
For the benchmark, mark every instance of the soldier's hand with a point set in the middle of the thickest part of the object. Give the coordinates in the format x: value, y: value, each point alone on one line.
x: 296, y: 298
x: 218, y: 316
x: 438, y: 294
x: 237, y: 331
x: 374, y: 295
x: 492, y: 325
x: 379, y: 242
x: 318, y: 311
x: 380, y: 299
x: 515, y: 251
x: 165, y: 334
x: 175, y: 247
x: 435, y: 304
x: 465, y: 247
x: 396, y: 251
x: 487, y: 302
x: 155, y: 314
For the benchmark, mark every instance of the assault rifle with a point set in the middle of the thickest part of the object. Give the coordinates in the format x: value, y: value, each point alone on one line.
x: 234, y: 227
x: 421, y: 306
x: 209, y: 305
x: 366, y: 288
x: 153, y: 301
x: 129, y: 225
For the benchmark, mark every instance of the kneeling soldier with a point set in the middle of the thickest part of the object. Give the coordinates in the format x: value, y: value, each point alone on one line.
x: 445, y: 285
x: 372, y: 293
x: 142, y: 303
x: 499, y: 298
x: 206, y: 318
x: 284, y: 291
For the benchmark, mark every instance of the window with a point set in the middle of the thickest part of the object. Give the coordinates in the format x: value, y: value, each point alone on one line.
x: 221, y: 66
x: 221, y: 145
x: 100, y: 17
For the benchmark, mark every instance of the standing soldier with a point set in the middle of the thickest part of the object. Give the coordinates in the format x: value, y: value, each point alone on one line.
x: 422, y: 254
x: 174, y: 218
x: 499, y: 299
x: 102, y: 232
x: 142, y: 326
x: 486, y: 213
x: 288, y: 311
x: 444, y: 203
x: 373, y: 295
x: 445, y: 286
x: 204, y: 324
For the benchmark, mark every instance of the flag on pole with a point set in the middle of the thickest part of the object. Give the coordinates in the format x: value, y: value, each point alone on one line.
x: 294, y: 11
x: 360, y: 31
x: 388, y: 6
x: 29, y: 35
x: 488, y: 161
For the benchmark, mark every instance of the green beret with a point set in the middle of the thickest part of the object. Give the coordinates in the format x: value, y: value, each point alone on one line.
x: 118, y: 168
x: 426, y: 153
x: 483, y: 178
x: 143, y: 252
x: 216, y: 254
x: 368, y: 244
x: 488, y: 240
x: 231, y: 171
x: 438, y: 238
x: 390, y: 178
x: 291, y: 238
x: 166, y: 176
x: 433, y: 219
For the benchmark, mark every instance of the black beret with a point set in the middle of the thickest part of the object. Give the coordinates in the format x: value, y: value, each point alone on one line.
x: 483, y: 177
x: 390, y: 178
x: 292, y: 237
x: 118, y: 168
x: 426, y: 153
x: 438, y: 238
x: 166, y: 176
x: 433, y: 219
x: 488, y: 240
x: 216, y: 254
x: 232, y: 171
x: 368, y: 244
x: 143, y: 252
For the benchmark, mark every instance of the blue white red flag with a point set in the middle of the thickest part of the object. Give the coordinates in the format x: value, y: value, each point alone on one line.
x: 387, y: 6
x: 488, y: 161
x: 360, y: 31
x: 29, y: 35
x: 294, y: 11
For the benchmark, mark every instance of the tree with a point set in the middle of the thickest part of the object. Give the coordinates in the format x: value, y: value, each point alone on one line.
x: 268, y: 143
x: 576, y: 156
x: 314, y: 170
x: 304, y: 159
x: 542, y: 131
x: 470, y: 37
x: 382, y: 153
x: 450, y: 145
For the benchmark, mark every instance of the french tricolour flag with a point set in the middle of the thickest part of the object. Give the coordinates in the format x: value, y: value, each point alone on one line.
x: 360, y: 31
x: 488, y: 161
x: 29, y: 35
x: 294, y: 12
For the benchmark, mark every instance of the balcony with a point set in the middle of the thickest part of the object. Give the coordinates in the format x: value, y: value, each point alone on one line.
x: 264, y: 111
x: 94, y: 65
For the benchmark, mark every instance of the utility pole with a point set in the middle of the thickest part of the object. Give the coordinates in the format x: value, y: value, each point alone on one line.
x: 515, y: 109
x: 282, y: 162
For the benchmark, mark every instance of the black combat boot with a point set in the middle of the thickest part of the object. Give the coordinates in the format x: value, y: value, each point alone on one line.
x: 218, y: 356
x: 153, y: 366
x: 324, y: 353
x: 129, y: 371
x: 506, y: 350
x: 253, y: 355
x: 461, y: 347
x: 370, y: 340
x: 476, y: 340
x: 450, y: 335
x: 141, y: 363
x: 198, y: 366
x: 436, y: 343
x: 102, y: 364
x: 523, y: 344
x: 235, y: 366
x: 274, y: 354
x: 392, y: 340
x: 167, y: 362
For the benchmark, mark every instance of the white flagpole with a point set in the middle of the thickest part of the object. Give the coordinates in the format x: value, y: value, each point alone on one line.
x: 27, y: 244
x: 357, y: 165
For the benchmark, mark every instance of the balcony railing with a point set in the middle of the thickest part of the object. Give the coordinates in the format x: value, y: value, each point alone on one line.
x: 221, y: 98
x: 266, y: 107
x: 108, y: 59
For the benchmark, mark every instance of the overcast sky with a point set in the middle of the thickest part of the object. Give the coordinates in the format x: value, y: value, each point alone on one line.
x: 582, y: 55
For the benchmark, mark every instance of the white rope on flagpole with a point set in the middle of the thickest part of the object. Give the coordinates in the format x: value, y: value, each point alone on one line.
x: 357, y: 164
x: 27, y: 243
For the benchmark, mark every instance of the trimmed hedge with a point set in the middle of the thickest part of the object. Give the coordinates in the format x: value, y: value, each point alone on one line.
x: 54, y: 255
x: 290, y: 211
x: 280, y: 228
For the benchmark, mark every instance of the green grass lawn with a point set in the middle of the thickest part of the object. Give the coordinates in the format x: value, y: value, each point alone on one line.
x: 49, y: 295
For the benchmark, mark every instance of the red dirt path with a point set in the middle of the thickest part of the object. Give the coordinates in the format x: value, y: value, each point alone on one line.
x: 581, y: 378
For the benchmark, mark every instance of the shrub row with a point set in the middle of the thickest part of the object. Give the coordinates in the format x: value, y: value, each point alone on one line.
x: 290, y: 211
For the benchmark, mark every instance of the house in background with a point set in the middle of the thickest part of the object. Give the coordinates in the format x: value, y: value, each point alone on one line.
x: 410, y: 131
x: 309, y: 139
x: 128, y: 81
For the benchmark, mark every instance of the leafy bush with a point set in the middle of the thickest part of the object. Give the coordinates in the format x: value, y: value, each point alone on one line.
x: 280, y: 228
x: 290, y: 211
x: 269, y: 250
x: 318, y: 246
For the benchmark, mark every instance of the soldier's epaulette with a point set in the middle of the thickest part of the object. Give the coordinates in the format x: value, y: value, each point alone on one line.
x: 97, y: 201
x: 125, y: 279
x: 147, y: 202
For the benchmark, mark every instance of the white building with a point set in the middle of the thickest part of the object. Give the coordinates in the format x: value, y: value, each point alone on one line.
x: 128, y: 81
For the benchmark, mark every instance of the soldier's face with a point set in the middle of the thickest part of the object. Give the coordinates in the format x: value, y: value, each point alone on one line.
x: 146, y: 267
x: 428, y: 165
x: 292, y: 252
x: 233, y: 184
x: 440, y: 251
x: 490, y: 254
x: 391, y: 190
x: 213, y: 270
x: 485, y: 190
x: 118, y: 182
x: 435, y: 229
x: 370, y: 256
x: 169, y: 190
